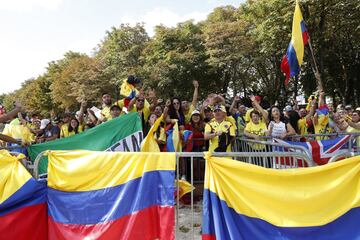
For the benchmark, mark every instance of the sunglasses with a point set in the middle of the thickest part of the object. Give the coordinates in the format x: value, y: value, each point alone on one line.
x: 140, y: 100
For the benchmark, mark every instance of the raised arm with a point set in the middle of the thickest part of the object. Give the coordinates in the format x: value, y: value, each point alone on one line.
x: 12, y: 114
x: 196, y: 93
x: 152, y: 98
x: 234, y: 102
x: 257, y: 106
x: 81, y: 112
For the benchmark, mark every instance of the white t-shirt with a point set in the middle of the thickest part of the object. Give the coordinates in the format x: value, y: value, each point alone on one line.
x: 278, y: 129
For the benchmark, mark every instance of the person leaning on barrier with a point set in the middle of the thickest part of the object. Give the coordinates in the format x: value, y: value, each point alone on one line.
x: 49, y: 131
x: 255, y: 129
x: 279, y: 126
x: 219, y: 132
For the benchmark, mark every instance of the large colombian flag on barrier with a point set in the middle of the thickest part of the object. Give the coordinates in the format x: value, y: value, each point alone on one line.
x: 293, y: 59
x: 102, y: 195
x: 243, y: 201
x: 23, y: 213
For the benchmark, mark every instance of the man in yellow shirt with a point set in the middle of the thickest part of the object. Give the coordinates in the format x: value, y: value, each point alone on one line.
x: 106, y: 105
x: 219, y: 132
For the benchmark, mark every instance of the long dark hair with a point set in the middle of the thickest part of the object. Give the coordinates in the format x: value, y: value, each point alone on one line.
x: 76, y: 130
x: 173, y: 114
x: 201, y: 124
x: 148, y: 127
x: 282, y: 117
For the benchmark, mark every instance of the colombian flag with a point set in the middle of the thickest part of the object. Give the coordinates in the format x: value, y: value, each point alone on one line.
x: 23, y: 211
x: 102, y: 195
x: 293, y: 59
x: 243, y: 201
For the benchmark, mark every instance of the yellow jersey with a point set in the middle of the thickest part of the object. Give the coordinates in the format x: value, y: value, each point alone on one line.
x: 188, y: 115
x: 213, y: 126
x: 64, y: 131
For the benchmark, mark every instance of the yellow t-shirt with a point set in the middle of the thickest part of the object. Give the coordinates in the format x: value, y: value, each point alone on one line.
x: 232, y: 120
x: 259, y: 129
x: 145, y: 111
x: 350, y: 129
x: 248, y: 117
x: 322, y: 126
x: 302, y: 126
x: 18, y: 132
x: 188, y: 115
x: 64, y: 131
x: 213, y: 126
x: 106, y: 112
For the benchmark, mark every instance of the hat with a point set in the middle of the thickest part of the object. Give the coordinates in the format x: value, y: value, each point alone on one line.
x: 133, y: 80
x: 348, y: 107
x: 288, y: 108
x: 220, y: 107
x: 195, y: 112
x: 56, y: 120
x: 358, y: 109
x: 44, y: 123
x: 208, y: 109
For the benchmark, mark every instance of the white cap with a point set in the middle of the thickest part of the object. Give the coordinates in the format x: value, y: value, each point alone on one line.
x: 44, y: 123
x: 195, y: 112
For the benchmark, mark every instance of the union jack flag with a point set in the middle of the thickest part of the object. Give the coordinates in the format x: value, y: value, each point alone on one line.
x: 321, y: 151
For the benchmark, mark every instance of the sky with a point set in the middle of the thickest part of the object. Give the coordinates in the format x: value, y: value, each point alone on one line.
x: 35, y: 32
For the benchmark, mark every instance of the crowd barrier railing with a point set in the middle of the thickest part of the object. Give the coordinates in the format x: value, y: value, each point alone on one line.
x: 193, y: 156
x: 16, y: 150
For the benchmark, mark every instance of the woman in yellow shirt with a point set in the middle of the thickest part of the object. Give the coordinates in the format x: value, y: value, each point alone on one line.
x: 70, y: 129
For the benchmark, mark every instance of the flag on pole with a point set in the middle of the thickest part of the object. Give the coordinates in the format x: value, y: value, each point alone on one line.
x: 293, y: 59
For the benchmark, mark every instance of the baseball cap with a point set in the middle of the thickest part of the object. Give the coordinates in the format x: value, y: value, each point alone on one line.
x: 44, y: 123
x: 348, y: 107
x: 195, y: 112
x: 288, y: 108
x: 220, y: 107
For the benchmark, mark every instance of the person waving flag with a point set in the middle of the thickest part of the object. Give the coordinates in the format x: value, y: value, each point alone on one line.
x: 293, y: 59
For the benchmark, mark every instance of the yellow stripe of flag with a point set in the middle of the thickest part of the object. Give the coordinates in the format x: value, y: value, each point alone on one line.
x: 13, y: 175
x: 91, y: 170
x: 296, y: 38
x: 286, y: 198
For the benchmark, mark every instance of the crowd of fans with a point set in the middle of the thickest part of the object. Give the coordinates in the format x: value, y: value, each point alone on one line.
x: 214, y: 123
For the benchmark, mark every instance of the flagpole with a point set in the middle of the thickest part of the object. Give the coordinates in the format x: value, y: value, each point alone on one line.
x: 316, y: 71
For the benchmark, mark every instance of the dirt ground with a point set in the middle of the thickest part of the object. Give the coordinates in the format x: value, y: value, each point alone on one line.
x: 184, y: 231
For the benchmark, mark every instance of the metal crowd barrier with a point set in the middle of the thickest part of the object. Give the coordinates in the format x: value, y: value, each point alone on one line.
x: 249, y: 145
x: 16, y: 150
x: 354, y: 141
x: 190, y: 234
x: 343, y: 155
